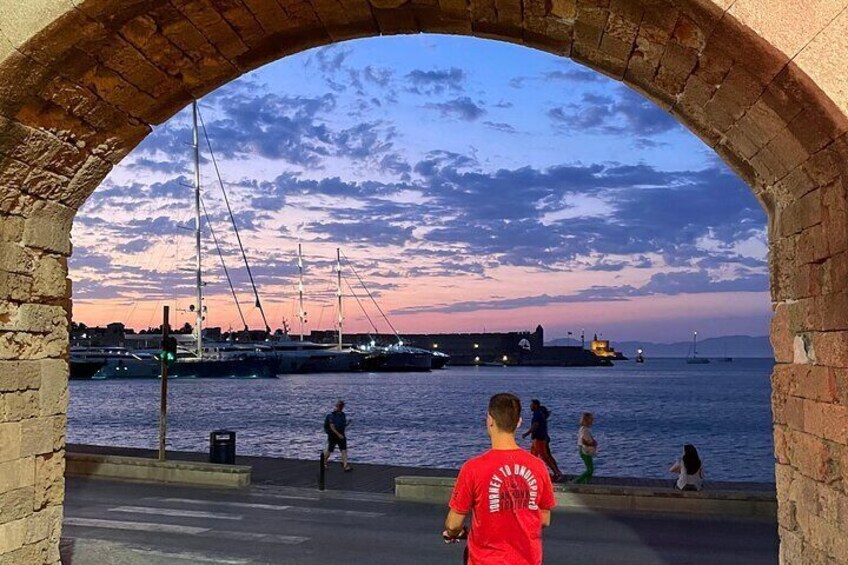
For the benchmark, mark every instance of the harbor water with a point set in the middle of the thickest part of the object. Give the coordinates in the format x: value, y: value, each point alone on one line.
x: 644, y: 413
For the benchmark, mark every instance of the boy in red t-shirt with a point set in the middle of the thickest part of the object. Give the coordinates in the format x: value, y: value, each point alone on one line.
x: 508, y: 492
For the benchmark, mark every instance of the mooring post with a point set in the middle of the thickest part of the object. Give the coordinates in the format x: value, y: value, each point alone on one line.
x: 321, y: 472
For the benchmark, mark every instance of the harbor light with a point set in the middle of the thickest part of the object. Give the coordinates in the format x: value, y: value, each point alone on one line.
x: 505, y: 359
x: 400, y: 343
x: 435, y: 346
x: 373, y: 343
x: 477, y: 359
x: 476, y: 346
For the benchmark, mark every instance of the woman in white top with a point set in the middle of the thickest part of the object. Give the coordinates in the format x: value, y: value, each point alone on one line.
x: 588, y: 446
x: 689, y: 470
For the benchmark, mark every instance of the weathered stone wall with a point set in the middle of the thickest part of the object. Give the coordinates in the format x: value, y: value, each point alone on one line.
x: 760, y: 81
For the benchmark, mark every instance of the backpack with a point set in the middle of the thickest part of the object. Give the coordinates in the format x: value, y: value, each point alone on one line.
x: 327, y: 424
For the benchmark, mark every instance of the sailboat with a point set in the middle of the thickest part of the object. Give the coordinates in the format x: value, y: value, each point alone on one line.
x: 695, y: 360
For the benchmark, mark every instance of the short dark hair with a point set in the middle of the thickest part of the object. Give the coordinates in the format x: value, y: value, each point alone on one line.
x: 505, y: 410
x: 535, y: 401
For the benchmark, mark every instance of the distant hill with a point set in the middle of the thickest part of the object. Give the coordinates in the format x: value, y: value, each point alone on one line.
x: 727, y: 346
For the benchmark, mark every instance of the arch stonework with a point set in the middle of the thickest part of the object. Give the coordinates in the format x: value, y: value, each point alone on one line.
x: 760, y: 81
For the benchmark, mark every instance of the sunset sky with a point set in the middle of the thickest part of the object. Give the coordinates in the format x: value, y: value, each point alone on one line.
x: 472, y: 184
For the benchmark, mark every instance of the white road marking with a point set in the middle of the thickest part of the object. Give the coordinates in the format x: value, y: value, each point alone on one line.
x: 296, y: 493
x: 256, y: 506
x: 286, y: 508
x: 192, y: 557
x: 251, y: 536
x: 137, y: 526
x: 175, y: 513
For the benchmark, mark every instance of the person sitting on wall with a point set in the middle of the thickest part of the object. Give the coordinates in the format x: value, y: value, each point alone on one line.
x: 689, y: 470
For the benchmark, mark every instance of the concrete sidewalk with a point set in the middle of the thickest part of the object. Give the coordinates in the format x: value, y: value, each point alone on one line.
x: 132, y: 524
x: 368, y: 477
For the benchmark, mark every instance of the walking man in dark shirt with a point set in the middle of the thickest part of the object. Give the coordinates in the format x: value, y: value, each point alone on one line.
x: 335, y: 424
x: 540, y: 445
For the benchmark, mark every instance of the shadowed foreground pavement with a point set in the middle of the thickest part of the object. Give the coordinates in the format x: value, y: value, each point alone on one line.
x: 117, y: 523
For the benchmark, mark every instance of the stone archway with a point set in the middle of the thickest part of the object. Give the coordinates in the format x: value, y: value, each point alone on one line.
x: 761, y: 82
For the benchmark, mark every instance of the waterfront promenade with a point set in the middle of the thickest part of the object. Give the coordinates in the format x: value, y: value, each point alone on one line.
x: 282, y: 518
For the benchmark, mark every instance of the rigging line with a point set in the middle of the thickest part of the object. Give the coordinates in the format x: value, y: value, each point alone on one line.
x: 223, y: 263
x: 362, y: 306
x: 349, y: 264
x: 233, y: 220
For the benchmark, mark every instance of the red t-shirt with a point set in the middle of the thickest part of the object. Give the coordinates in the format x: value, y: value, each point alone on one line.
x: 506, y: 490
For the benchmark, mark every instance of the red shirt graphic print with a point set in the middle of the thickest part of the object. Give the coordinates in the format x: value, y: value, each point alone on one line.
x: 506, y: 490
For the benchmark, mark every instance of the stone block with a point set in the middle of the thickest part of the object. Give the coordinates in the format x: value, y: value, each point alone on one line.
x: 16, y: 504
x: 50, y: 277
x: 53, y: 393
x: 11, y: 228
x: 87, y: 179
x: 205, y: 17
x: 833, y: 307
x: 10, y: 442
x: 812, y: 457
x: 781, y: 336
x: 19, y: 375
x: 15, y: 287
x: 12, y: 535
x: 831, y: 348
x: 781, y: 447
x: 49, y: 227
x: 15, y: 259
x: 676, y: 66
x: 46, y: 524
x: 17, y: 406
x: 17, y: 473
x: 801, y: 213
x: 37, y: 436
x: 827, y: 421
x: 813, y: 245
x: 49, y: 480
x: 38, y: 318
x: 835, y: 217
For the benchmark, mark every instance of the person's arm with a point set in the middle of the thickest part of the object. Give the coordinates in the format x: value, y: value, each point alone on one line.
x: 546, y: 518
x: 533, y: 427
x: 454, y: 523
x: 675, y: 468
x: 335, y: 431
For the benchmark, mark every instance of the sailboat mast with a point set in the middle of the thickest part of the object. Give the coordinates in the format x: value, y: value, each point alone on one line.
x: 695, y: 344
x: 339, y: 292
x: 198, y: 329
x: 301, y: 314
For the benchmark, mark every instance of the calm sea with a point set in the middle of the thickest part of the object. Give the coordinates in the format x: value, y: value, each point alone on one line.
x: 643, y: 414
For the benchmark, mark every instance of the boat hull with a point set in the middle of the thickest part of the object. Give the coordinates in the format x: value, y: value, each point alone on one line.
x: 401, y: 362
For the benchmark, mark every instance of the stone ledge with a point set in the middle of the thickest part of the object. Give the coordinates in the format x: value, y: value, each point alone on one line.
x: 138, y: 469
x: 760, y: 504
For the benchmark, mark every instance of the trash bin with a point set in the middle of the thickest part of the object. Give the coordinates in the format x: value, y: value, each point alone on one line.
x: 222, y: 447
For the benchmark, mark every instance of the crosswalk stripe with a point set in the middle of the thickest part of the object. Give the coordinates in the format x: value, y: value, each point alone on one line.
x: 286, y: 508
x: 251, y: 536
x: 175, y: 513
x: 137, y: 526
x: 256, y: 506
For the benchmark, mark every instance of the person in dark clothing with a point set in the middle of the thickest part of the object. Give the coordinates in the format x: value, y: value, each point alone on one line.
x: 540, y: 445
x: 335, y: 425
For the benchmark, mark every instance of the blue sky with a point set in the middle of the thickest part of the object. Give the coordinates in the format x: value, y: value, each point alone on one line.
x: 473, y: 184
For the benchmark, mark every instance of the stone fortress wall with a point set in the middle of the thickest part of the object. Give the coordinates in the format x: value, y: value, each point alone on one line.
x: 762, y: 82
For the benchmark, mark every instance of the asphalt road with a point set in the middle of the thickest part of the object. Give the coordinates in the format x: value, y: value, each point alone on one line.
x: 131, y: 524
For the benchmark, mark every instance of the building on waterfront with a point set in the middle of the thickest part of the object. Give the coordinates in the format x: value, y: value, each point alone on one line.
x: 487, y: 348
x: 602, y: 348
